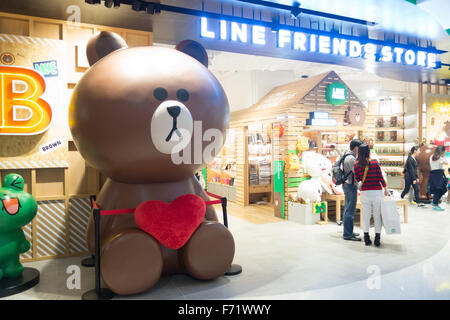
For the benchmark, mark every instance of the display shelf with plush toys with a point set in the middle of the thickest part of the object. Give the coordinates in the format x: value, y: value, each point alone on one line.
x: 221, y: 173
x: 389, y: 146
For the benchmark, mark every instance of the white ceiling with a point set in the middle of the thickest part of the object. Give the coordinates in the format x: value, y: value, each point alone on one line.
x: 366, y: 85
x: 398, y: 16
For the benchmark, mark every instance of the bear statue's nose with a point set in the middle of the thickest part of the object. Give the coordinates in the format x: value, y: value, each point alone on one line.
x: 174, y: 111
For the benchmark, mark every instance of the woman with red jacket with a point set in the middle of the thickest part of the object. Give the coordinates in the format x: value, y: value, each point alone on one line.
x: 368, y: 171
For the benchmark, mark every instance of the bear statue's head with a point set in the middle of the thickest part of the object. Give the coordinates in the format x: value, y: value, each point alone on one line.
x: 147, y: 114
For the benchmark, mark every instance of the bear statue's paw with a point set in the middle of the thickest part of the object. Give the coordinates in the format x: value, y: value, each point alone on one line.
x: 131, y: 262
x: 209, y: 252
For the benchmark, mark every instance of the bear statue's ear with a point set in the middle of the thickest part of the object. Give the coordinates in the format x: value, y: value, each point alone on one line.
x: 193, y: 49
x: 103, y: 44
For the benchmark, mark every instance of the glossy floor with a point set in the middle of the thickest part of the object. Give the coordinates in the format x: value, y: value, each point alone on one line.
x: 285, y: 260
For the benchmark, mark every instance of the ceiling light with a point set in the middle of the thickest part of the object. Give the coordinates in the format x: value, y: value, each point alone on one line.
x: 137, y: 5
x: 295, y: 11
x: 108, y: 3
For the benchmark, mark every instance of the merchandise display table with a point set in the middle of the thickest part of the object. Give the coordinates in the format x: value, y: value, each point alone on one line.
x: 340, y: 201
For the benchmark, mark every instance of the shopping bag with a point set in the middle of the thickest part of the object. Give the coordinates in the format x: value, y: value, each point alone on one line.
x: 390, y: 217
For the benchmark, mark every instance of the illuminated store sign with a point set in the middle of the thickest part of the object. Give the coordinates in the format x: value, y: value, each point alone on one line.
x: 322, y: 119
x: 47, y: 68
x: 442, y: 108
x: 310, y: 42
x: 22, y: 111
x: 336, y: 93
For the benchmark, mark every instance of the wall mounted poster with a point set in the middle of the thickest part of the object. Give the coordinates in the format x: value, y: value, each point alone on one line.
x: 438, y: 120
x: 33, y: 117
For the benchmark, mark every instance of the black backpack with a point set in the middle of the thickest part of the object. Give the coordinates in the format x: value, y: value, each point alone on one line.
x: 337, y: 172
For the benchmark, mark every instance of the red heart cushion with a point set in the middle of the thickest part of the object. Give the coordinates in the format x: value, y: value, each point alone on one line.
x: 173, y: 223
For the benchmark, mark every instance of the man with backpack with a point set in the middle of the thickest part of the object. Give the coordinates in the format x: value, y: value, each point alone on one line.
x: 343, y: 174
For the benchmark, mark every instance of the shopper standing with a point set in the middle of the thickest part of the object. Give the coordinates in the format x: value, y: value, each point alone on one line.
x: 368, y: 171
x: 448, y: 186
x: 437, y: 182
x: 350, y: 191
x: 411, y: 176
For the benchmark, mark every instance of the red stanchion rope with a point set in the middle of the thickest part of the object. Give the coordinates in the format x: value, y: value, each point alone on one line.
x: 131, y: 210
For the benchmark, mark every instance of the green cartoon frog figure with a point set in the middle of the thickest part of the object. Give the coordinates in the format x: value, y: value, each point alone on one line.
x: 17, y: 209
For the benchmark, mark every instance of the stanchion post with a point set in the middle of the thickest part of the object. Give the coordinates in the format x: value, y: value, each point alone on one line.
x: 98, y: 293
x: 234, y: 268
x: 90, y: 261
x: 97, y: 249
x: 224, y: 211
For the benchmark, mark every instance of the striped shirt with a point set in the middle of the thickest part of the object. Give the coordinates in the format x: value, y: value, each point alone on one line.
x: 374, y: 179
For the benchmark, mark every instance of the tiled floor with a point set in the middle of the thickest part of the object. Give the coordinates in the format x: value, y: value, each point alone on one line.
x: 285, y: 260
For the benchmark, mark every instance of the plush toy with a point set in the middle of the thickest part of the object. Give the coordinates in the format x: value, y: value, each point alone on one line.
x: 18, y: 209
x: 132, y: 117
x: 317, y: 166
x: 302, y: 144
x: 310, y: 191
x: 292, y: 162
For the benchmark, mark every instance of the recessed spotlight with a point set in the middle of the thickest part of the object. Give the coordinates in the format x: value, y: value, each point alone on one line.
x: 108, y: 3
x: 295, y: 11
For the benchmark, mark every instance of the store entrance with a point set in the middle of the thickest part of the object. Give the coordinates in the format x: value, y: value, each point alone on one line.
x: 281, y: 119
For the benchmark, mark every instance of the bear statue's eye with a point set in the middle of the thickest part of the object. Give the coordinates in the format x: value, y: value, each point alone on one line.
x: 182, y: 95
x: 160, y: 94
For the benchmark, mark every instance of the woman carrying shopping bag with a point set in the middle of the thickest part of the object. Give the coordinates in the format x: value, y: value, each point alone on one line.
x: 437, y: 182
x: 368, y: 171
x: 411, y: 176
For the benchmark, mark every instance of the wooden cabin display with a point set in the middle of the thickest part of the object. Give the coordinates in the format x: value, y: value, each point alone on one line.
x: 319, y: 113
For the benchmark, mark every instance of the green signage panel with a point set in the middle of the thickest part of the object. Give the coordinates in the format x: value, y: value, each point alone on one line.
x: 336, y: 93
x: 278, y: 187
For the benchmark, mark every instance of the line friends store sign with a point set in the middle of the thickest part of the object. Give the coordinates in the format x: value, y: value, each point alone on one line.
x: 315, y: 43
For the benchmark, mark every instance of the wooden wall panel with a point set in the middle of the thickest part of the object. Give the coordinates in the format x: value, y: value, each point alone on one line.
x: 50, y: 183
x: 58, y: 229
x: 14, y: 26
x: 136, y: 40
x: 47, y: 30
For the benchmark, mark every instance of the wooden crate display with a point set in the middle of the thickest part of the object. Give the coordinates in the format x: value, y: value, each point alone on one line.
x: 51, y: 229
x: 79, y: 212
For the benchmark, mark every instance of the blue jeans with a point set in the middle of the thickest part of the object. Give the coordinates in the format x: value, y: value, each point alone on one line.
x: 351, y: 194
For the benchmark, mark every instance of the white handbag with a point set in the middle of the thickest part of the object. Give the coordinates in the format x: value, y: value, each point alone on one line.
x: 390, y: 217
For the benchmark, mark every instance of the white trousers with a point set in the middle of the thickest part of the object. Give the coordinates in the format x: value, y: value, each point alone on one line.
x: 371, y: 205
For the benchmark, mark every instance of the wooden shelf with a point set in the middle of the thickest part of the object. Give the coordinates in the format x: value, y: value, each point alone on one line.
x: 260, y: 188
x: 388, y: 128
x: 335, y: 128
x: 391, y: 154
x: 390, y: 115
x: 390, y: 142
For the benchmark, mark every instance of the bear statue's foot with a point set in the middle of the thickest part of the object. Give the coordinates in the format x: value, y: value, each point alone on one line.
x: 131, y: 262
x: 209, y: 253
x: 12, y: 270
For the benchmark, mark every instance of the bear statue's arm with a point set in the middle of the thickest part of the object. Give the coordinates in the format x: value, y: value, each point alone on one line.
x: 210, y: 214
x: 24, y: 244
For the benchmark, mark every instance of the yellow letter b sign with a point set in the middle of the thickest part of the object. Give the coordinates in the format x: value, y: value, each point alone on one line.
x: 23, y: 112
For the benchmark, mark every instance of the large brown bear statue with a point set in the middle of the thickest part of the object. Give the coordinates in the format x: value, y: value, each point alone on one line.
x: 128, y: 114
